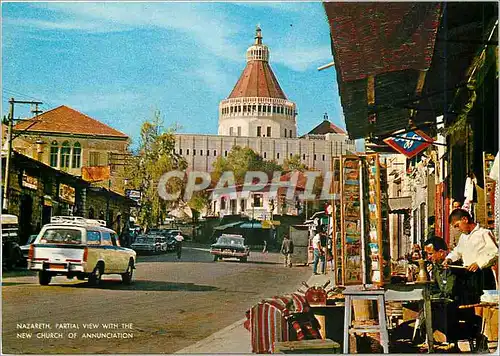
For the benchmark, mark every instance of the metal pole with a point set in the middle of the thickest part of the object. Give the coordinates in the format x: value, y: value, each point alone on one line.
x: 7, y: 159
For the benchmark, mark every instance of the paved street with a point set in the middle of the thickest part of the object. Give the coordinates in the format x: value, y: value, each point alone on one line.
x: 171, y: 305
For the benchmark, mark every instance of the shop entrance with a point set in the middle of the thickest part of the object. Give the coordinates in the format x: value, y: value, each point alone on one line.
x: 46, y: 214
x: 25, y: 215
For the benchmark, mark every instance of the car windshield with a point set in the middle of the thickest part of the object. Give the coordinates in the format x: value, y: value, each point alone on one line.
x: 230, y: 241
x: 62, y: 236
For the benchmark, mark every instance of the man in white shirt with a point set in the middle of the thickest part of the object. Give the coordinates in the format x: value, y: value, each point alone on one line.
x: 317, y: 252
x: 477, y: 249
x: 178, y: 245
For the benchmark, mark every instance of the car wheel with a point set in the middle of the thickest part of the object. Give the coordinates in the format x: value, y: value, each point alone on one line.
x: 243, y: 259
x: 96, y: 275
x: 216, y: 258
x: 44, y: 278
x: 127, y: 276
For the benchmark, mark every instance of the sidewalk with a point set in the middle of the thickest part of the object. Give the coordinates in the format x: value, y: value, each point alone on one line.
x: 235, y: 339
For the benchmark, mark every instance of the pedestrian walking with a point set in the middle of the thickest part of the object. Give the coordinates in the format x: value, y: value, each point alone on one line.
x: 178, y: 244
x: 264, y: 249
x: 317, y: 252
x: 287, y: 250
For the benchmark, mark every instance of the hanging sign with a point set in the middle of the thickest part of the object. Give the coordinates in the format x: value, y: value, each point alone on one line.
x: 29, y: 182
x: 410, y: 143
x: 67, y: 193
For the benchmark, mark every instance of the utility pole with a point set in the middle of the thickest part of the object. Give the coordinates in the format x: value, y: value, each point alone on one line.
x: 12, y: 101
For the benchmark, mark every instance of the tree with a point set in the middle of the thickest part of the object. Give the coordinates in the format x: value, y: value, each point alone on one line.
x: 241, y: 160
x: 155, y: 157
x: 294, y: 163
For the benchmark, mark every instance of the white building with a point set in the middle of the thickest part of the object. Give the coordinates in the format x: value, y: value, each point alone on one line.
x: 257, y: 114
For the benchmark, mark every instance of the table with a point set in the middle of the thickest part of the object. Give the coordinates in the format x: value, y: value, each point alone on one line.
x: 414, y: 292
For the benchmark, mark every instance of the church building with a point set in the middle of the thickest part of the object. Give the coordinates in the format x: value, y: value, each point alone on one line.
x: 257, y: 114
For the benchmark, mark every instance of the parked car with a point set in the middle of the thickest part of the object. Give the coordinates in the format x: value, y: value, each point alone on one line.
x: 25, y: 249
x: 11, y: 252
x: 150, y: 244
x: 230, y: 246
x: 81, y: 248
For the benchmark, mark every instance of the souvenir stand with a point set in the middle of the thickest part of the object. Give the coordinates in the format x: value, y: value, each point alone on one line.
x: 364, y: 250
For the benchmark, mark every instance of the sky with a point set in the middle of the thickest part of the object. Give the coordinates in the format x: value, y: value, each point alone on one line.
x: 119, y: 62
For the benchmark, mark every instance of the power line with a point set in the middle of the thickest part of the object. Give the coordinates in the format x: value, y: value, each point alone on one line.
x: 46, y: 103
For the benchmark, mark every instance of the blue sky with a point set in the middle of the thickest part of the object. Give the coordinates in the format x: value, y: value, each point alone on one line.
x: 119, y: 62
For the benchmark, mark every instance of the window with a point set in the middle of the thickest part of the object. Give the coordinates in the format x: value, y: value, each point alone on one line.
x: 208, y: 152
x: 194, y: 152
x: 259, y: 131
x: 304, y: 156
x: 239, y: 130
x: 323, y: 157
x: 201, y: 152
x: 180, y: 150
x: 242, y: 204
x: 265, y: 154
x: 94, y: 159
x: 65, y: 154
x: 187, y: 152
x: 315, y: 156
x: 223, y: 204
x: 244, y: 108
x: 290, y: 135
x: 264, y: 108
x: 259, y: 109
x: 106, y: 239
x: 278, y: 155
x: 291, y: 155
x: 93, y: 238
x: 215, y: 153
x: 225, y: 153
x: 269, y: 131
x: 230, y: 131
x: 77, y: 154
x: 54, y: 153
x: 257, y: 201
x: 114, y: 239
x: 62, y: 236
x: 285, y: 132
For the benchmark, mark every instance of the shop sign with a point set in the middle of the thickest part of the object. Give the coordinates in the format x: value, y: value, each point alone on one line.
x: 133, y: 194
x: 67, y: 193
x: 29, y: 182
x: 410, y: 143
x: 47, y: 201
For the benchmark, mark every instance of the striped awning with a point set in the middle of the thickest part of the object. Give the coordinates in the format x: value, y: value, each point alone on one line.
x: 399, y: 205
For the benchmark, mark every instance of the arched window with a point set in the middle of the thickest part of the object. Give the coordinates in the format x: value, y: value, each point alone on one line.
x: 54, y: 153
x: 77, y: 154
x: 65, y: 154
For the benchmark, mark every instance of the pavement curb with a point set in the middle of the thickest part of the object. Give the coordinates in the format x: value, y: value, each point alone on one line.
x: 217, y: 335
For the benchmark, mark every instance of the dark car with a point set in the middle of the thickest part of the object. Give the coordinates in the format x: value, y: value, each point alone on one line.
x: 230, y: 246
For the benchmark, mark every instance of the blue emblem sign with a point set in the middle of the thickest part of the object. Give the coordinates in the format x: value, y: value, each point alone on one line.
x: 410, y: 143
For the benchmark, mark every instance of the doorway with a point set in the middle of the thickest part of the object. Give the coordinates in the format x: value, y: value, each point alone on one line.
x: 25, y: 215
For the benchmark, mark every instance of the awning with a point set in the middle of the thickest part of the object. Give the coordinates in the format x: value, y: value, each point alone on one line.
x: 227, y: 226
x: 399, y: 205
x: 394, y: 58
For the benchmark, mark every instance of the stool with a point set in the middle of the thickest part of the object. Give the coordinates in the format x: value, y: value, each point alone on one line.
x: 381, y: 328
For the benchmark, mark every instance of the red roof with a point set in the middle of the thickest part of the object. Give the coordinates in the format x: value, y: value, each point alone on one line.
x: 66, y: 120
x: 257, y: 80
x: 326, y: 127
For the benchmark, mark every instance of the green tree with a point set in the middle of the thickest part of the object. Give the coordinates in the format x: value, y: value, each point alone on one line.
x: 155, y: 157
x: 294, y: 163
x: 241, y: 160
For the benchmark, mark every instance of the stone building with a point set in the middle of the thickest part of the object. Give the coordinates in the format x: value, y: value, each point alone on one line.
x: 70, y: 141
x: 37, y: 192
x: 257, y: 114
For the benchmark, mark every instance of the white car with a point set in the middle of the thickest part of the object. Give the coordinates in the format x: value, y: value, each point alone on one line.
x: 81, y: 248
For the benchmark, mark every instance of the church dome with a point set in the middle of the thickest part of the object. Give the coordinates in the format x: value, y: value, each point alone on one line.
x: 257, y: 106
x: 257, y: 79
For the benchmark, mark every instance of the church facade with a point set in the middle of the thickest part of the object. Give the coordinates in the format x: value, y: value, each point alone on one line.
x: 257, y: 114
